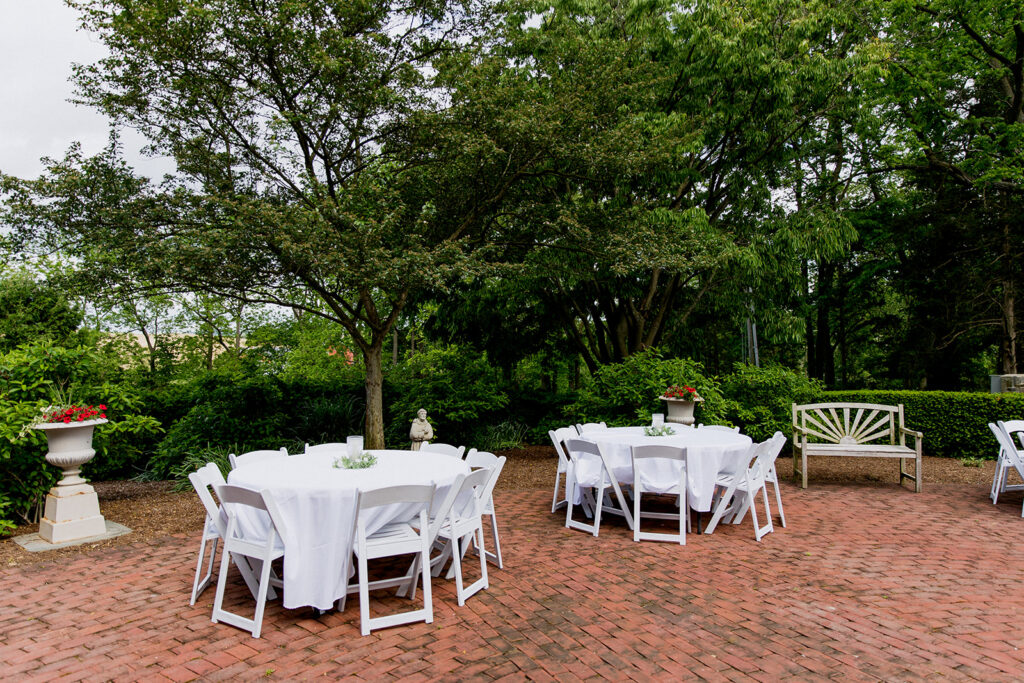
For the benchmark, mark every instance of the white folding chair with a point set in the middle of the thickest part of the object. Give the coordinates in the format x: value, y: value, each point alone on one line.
x: 719, y: 428
x: 590, y: 427
x: 327, y: 448
x: 205, y: 478
x: 443, y: 448
x: 1013, y: 456
x: 255, y: 456
x: 265, y: 549
x: 591, y: 470
x: 476, y: 459
x: 641, y: 456
x: 464, y: 524
x: 558, y: 439
x: 1003, y: 464
x: 394, y: 539
x: 738, y: 491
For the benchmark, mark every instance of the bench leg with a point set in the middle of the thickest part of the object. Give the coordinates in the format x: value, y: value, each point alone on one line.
x: 803, y: 472
x: 918, y: 473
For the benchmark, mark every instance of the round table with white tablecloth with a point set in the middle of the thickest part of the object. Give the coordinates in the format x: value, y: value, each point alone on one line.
x: 708, y: 452
x: 318, y: 504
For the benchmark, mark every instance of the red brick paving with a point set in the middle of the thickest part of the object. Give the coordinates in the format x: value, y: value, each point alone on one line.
x: 867, y: 583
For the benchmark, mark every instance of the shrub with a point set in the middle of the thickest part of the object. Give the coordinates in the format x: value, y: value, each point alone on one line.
x: 627, y: 392
x: 28, y: 377
x: 231, y: 405
x: 196, y: 459
x: 507, y: 434
x: 760, y: 399
x: 954, y: 423
x: 460, y: 390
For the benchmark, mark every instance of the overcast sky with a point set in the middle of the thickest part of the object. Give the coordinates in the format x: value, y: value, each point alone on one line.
x: 39, y: 40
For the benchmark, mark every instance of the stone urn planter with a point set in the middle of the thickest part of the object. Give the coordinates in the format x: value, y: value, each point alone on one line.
x: 72, y: 507
x: 680, y: 410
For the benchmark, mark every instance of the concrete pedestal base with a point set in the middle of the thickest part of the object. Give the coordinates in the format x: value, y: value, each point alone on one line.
x: 34, y: 544
x: 72, y: 513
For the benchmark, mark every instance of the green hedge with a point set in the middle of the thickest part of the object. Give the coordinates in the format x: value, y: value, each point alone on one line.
x: 954, y: 423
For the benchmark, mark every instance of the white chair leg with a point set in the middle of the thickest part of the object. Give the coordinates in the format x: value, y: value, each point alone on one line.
x: 598, y: 507
x: 364, y: 597
x: 568, y: 505
x: 724, y: 502
x: 555, y: 503
x: 200, y: 584
x: 218, y: 600
x: 759, y: 531
x: 428, y: 598
x: 636, y: 516
x: 457, y: 567
x: 261, y: 600
x: 999, y: 481
x: 496, y: 555
x: 778, y: 499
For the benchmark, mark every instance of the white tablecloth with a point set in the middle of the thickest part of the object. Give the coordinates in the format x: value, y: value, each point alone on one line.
x: 318, y: 503
x: 708, y: 452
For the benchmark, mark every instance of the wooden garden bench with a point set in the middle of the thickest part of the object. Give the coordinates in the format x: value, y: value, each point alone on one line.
x: 854, y: 429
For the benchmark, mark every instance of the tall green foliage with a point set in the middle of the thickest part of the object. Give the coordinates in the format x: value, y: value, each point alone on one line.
x: 28, y: 377
x: 627, y: 392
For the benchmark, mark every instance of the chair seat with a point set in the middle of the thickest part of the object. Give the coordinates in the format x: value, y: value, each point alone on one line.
x: 395, y: 533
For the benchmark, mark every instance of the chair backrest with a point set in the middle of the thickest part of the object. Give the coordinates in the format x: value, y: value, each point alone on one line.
x: 558, y: 438
x: 1015, y: 427
x: 477, y: 458
x: 574, y: 448
x: 417, y: 495
x: 413, y: 494
x: 652, y: 452
x: 1010, y: 452
x: 659, y: 451
x: 475, y: 487
x: 255, y: 456
x: 590, y: 427
x: 443, y: 448
x: 235, y: 497
x: 761, y: 458
x: 719, y: 428
x: 206, y: 477
x: 488, y: 461
x: 327, y: 447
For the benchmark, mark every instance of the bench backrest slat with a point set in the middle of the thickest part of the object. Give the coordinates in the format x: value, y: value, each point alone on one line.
x: 848, y: 423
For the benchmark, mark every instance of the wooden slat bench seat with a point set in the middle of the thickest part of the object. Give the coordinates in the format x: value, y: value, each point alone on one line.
x: 854, y: 430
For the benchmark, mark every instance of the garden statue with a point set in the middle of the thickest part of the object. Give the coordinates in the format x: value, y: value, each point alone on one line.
x: 421, y: 430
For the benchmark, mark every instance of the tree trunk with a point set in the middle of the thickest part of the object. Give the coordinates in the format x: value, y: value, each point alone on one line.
x: 1009, y: 345
x: 373, y: 430
x: 808, y: 320
x: 826, y: 359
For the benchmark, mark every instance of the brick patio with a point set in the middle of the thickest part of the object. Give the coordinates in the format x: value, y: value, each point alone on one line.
x: 867, y: 583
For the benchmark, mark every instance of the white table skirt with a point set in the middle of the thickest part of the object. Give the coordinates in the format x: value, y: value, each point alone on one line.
x: 708, y: 452
x: 318, y: 503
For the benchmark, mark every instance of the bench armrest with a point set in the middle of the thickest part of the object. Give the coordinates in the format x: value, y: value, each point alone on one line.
x: 911, y: 432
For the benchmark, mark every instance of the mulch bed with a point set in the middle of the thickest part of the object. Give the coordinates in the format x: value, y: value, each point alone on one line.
x: 152, y: 510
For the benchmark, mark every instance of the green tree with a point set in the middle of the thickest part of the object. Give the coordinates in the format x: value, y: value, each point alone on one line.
x: 316, y: 167
x: 31, y: 310
x: 955, y: 93
x: 665, y: 129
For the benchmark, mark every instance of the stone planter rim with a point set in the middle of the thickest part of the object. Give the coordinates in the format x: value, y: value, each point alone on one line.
x: 68, y: 425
